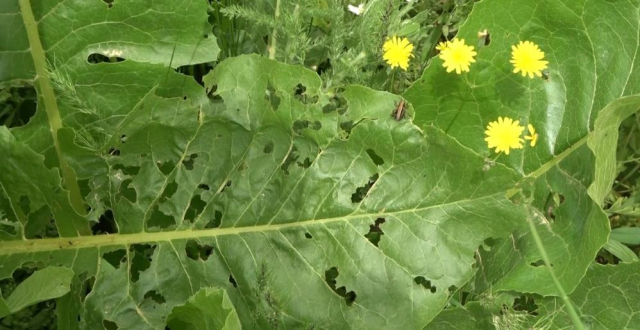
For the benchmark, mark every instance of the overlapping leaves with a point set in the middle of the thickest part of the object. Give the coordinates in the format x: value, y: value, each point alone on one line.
x: 309, y: 209
x: 592, y: 49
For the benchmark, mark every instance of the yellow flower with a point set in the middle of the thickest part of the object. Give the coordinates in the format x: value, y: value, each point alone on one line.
x: 533, y: 135
x: 457, y: 56
x: 504, y: 134
x: 397, y: 52
x: 528, y: 59
x: 442, y: 46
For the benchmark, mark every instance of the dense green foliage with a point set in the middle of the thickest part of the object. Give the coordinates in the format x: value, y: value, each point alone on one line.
x: 242, y: 164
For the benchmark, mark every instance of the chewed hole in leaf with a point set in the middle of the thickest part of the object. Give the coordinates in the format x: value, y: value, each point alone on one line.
x: 196, y: 252
x: 225, y: 186
x: 106, y: 224
x: 114, y: 152
x: 420, y: 280
x: 96, y: 58
x: 330, y: 277
x: 538, y: 263
x: 299, y: 92
x: 40, y: 223
x: 554, y: 201
x: 87, y: 287
x: 233, y: 281
x: 299, y: 126
x: 215, y: 222
x: 155, y: 296
x: 268, y: 148
x: 291, y: 158
x: 127, y: 170
x: 375, y: 232
x: 109, y: 325
x: 116, y: 258
x: 361, y: 192
x: 203, y: 186
x: 452, y: 289
x: 346, y: 128
x: 188, y: 161
x: 196, y: 206
x: 169, y: 191
x: 127, y: 192
x: 374, y: 157
x: 213, y: 96
x: 488, y: 244
x: 329, y: 108
x: 165, y: 167
x: 308, y: 235
x: 141, y: 259
x: 160, y: 220
x: 527, y: 304
x: 271, y: 97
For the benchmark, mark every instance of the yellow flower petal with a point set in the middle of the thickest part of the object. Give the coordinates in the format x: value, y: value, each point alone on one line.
x: 533, y: 136
x: 457, y: 56
x: 397, y: 52
x: 528, y: 59
x: 442, y: 46
x: 504, y: 135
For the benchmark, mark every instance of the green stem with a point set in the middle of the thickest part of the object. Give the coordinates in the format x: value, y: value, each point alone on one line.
x: 51, y: 107
x: 393, y: 78
x: 575, y: 318
x: 272, y: 46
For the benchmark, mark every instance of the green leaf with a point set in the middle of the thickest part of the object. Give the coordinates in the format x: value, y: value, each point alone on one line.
x: 16, y: 64
x: 605, y: 135
x: 31, y: 188
x: 472, y: 316
x: 4, y: 308
x: 48, y: 283
x: 209, y: 309
x: 626, y: 235
x: 607, y: 298
x: 621, y: 251
x: 576, y: 111
x: 273, y: 201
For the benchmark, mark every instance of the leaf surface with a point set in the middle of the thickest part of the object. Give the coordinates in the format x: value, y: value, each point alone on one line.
x: 44, y: 284
x: 592, y: 49
x: 208, y: 309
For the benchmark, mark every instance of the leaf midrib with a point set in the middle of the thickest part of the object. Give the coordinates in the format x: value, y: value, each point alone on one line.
x: 66, y: 243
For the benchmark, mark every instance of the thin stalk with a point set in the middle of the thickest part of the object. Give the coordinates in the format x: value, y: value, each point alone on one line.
x: 273, y: 43
x: 393, y: 78
x: 51, y: 107
x: 575, y: 318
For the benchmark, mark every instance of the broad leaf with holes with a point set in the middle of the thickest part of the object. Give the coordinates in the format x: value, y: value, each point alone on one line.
x: 273, y: 198
x: 592, y: 50
x: 261, y: 195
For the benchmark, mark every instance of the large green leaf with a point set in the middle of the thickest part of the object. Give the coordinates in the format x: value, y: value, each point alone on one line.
x: 592, y: 48
x: 607, y: 297
x: 307, y: 215
x: 278, y: 201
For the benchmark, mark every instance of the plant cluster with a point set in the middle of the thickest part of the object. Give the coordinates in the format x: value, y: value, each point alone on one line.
x: 319, y: 164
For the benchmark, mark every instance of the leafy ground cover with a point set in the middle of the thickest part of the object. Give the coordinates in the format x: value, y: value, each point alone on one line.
x: 319, y: 164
